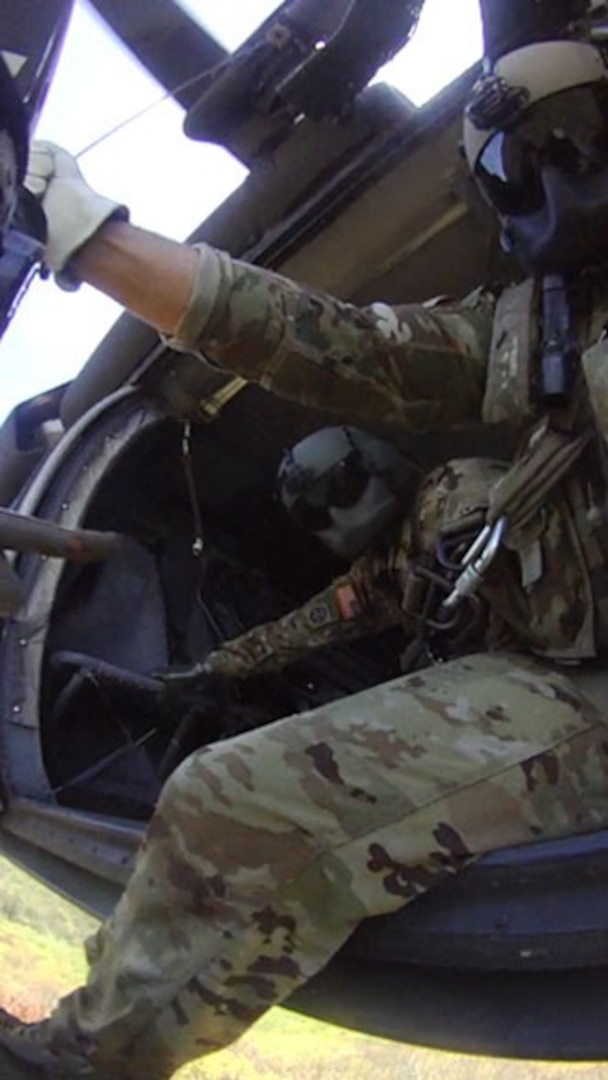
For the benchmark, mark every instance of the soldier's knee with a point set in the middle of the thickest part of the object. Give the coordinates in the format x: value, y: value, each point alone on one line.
x: 181, y: 777
x: 212, y: 778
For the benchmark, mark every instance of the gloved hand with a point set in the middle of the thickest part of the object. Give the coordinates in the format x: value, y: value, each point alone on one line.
x: 193, y: 684
x: 74, y: 212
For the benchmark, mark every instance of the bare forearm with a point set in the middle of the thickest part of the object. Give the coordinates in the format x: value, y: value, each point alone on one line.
x: 148, y: 274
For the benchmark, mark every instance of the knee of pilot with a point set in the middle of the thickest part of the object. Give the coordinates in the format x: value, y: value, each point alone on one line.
x: 181, y: 780
x: 203, y: 779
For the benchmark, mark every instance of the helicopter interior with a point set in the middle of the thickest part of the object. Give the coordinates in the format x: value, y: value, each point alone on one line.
x: 371, y: 202
x: 212, y: 554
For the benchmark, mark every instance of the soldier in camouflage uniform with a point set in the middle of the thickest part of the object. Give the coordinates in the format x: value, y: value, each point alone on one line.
x: 361, y: 497
x: 266, y: 851
x: 354, y: 493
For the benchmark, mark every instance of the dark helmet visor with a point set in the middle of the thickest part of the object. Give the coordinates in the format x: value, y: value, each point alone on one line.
x: 341, y: 487
x: 568, y: 131
x: 311, y: 518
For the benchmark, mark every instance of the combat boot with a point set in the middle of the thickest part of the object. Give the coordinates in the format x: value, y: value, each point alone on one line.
x: 24, y: 1052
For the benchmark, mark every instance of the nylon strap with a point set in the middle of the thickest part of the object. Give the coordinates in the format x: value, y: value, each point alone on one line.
x: 524, y: 489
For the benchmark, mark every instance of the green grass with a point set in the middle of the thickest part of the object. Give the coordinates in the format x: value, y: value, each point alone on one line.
x: 41, y: 959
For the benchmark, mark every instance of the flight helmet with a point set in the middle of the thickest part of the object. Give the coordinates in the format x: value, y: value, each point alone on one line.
x: 345, y: 486
x: 536, y: 141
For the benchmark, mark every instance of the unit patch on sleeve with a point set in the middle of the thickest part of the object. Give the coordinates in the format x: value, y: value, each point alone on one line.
x: 321, y: 614
x: 348, y: 603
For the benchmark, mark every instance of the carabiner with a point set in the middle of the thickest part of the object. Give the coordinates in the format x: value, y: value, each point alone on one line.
x: 476, y: 561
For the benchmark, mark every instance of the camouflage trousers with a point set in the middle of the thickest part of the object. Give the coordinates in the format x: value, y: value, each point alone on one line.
x: 267, y: 850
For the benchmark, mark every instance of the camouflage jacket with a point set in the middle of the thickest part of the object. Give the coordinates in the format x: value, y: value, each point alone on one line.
x: 363, y: 601
x: 372, y: 596
x: 427, y: 368
x: 384, y: 589
x: 423, y: 368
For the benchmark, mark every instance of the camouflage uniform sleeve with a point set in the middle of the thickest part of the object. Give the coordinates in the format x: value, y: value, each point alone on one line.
x: 349, y: 608
x: 420, y: 366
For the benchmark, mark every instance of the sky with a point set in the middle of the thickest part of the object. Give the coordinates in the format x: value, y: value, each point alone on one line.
x: 169, y: 182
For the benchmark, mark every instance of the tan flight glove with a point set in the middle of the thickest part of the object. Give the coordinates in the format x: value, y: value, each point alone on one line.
x: 74, y: 212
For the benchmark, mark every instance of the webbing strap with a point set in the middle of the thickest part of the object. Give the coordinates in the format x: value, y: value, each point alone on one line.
x: 11, y: 593
x: 524, y: 489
